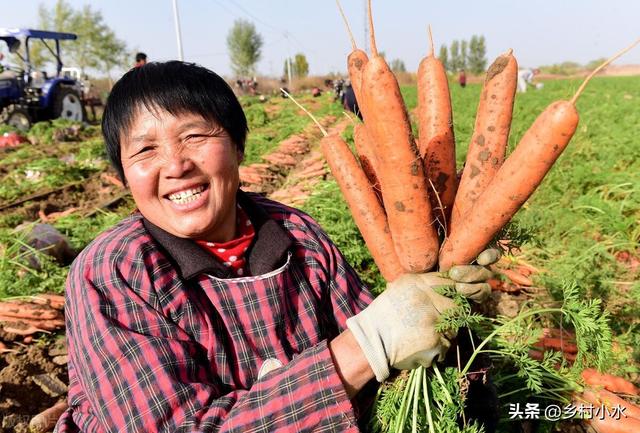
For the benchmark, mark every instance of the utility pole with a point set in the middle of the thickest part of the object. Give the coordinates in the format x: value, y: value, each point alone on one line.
x: 176, y: 19
x: 286, y: 35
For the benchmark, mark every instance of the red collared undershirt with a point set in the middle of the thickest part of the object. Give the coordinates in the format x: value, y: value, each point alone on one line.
x: 232, y: 253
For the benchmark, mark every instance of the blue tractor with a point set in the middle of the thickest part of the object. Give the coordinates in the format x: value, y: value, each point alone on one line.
x: 28, y: 95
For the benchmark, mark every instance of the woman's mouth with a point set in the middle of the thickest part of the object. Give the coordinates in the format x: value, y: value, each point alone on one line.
x: 187, y: 196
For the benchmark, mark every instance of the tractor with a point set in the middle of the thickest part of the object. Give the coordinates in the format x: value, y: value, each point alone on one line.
x: 28, y: 95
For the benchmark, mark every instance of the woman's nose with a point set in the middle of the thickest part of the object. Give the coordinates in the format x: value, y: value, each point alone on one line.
x: 177, y: 164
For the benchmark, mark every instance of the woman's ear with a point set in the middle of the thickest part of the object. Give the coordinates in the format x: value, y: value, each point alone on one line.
x: 240, y: 156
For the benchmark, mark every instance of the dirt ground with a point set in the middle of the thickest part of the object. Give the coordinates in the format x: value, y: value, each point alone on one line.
x: 33, y: 377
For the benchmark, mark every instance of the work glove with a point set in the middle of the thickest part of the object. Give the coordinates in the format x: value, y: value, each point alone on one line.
x: 397, y: 330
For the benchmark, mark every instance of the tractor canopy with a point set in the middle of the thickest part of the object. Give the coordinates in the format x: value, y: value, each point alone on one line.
x: 12, y: 38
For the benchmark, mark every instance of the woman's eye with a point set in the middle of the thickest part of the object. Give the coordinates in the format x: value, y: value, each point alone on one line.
x: 144, y: 150
x: 195, y: 137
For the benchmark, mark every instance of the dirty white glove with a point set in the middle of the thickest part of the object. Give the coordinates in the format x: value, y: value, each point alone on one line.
x: 398, y: 328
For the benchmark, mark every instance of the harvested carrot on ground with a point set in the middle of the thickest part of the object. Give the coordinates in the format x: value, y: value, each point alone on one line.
x: 26, y: 310
x: 556, y: 344
x: 50, y: 299
x: 356, y: 62
x: 490, y: 134
x: 604, y: 401
x: 399, y: 170
x: 610, y: 382
x: 367, y: 158
x: 517, y: 179
x: 515, y: 277
x: 46, y: 420
x: 437, y: 143
x: 365, y: 208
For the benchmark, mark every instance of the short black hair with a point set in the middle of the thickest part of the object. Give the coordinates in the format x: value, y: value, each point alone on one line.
x: 141, y: 56
x: 177, y: 88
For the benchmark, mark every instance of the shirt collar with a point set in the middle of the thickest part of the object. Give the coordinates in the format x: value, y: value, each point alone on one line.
x: 266, y: 253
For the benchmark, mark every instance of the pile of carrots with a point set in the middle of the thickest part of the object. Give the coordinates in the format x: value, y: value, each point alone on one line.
x: 40, y: 313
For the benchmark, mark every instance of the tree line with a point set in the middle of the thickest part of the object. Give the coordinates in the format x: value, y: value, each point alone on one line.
x: 465, y: 55
x: 99, y: 49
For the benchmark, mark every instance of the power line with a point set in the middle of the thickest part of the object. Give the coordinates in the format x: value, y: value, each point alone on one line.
x: 255, y: 18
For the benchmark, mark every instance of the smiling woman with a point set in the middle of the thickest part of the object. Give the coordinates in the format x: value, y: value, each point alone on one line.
x: 182, y: 171
x: 211, y: 309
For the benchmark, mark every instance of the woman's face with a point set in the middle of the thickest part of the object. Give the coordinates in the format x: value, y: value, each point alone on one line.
x: 183, y: 174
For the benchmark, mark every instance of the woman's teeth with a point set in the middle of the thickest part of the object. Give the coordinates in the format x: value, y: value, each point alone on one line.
x: 186, y: 196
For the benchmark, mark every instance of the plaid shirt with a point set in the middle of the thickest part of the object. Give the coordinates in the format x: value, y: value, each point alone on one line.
x: 162, y: 338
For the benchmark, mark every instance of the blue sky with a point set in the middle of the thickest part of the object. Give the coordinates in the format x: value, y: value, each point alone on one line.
x: 539, y: 31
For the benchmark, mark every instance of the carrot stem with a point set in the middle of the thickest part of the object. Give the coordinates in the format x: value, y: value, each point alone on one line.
x: 346, y: 23
x: 440, y: 206
x: 324, y: 132
x: 431, y: 53
x: 599, y: 68
x: 372, y: 34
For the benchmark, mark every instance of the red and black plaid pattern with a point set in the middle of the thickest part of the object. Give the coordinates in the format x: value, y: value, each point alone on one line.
x: 152, y: 352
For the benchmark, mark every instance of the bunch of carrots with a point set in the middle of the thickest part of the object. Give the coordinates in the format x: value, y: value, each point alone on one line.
x: 403, y: 191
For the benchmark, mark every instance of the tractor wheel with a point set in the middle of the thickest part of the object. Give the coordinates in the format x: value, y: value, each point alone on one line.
x: 16, y: 116
x: 68, y: 105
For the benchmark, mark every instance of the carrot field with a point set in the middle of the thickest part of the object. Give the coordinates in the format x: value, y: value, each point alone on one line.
x: 580, y: 228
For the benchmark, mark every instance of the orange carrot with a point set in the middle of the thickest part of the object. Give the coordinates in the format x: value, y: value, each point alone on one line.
x: 46, y: 420
x: 20, y: 323
x: 610, y: 382
x: 26, y: 310
x: 556, y: 344
x: 400, y: 170
x: 515, y: 276
x: 367, y: 157
x: 50, y: 299
x: 356, y: 62
x: 516, y: 180
x: 437, y: 144
x: 514, y: 183
x: 490, y: 134
x: 603, y: 401
x: 365, y: 208
x: 364, y: 205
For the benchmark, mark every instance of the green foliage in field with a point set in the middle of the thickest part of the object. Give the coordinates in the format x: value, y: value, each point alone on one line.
x: 330, y: 210
x: 33, y: 168
x: 17, y: 277
x: 271, y: 123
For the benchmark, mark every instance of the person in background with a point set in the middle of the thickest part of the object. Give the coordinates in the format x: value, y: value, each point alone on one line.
x: 525, y: 78
x: 141, y: 60
x: 5, y: 72
x: 462, y: 78
x: 349, y: 101
x: 212, y: 309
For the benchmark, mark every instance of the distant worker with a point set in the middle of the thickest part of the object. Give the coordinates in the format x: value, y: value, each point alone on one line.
x: 349, y: 99
x: 5, y: 72
x: 462, y: 78
x: 141, y: 60
x: 525, y: 77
